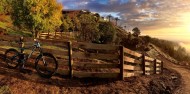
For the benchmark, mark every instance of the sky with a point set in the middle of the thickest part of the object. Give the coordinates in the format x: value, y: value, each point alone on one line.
x: 165, y: 19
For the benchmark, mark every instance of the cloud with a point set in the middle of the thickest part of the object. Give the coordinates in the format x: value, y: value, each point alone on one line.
x: 148, y: 14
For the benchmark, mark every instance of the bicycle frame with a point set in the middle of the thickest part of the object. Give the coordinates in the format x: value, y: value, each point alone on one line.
x: 35, y: 46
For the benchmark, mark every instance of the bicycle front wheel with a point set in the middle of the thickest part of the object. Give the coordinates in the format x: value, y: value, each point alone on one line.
x: 12, y: 58
x: 46, y: 65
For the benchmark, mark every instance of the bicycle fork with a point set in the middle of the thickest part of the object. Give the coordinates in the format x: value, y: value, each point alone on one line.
x: 44, y: 62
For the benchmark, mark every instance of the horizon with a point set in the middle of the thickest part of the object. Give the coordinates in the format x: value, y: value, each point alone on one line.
x: 157, y: 18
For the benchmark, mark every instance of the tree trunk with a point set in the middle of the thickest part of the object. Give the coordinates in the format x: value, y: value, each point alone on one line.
x: 35, y: 34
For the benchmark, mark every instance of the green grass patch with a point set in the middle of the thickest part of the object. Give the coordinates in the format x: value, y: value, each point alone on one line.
x: 18, y: 33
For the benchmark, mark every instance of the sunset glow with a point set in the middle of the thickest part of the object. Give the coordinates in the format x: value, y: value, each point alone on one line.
x: 186, y: 21
x: 165, y: 19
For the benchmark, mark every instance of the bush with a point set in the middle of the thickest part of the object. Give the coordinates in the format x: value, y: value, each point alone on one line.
x: 107, y: 32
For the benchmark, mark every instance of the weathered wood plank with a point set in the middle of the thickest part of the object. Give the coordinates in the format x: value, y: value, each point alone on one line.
x: 158, y: 61
x: 95, y: 46
x: 63, y: 62
x: 82, y: 74
x: 121, y: 61
x: 29, y: 39
x: 148, y: 63
x: 148, y: 69
x: 131, y: 68
x: 158, y: 68
x: 129, y: 74
x: 128, y: 59
x: 148, y: 58
x: 132, y: 52
x: 56, y: 52
x: 70, y: 54
x: 96, y: 65
x: 45, y: 33
x: 143, y: 64
x: 95, y: 56
x: 62, y: 72
x: 53, y: 42
x: 158, y: 65
x: 128, y: 67
x: 139, y: 72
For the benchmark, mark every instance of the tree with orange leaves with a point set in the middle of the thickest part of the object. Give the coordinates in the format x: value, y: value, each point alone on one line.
x: 36, y: 15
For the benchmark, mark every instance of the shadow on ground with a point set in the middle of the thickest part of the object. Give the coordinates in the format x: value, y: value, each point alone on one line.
x: 57, y: 80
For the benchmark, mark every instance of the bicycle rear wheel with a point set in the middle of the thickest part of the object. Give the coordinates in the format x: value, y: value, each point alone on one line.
x: 46, y: 65
x: 12, y: 58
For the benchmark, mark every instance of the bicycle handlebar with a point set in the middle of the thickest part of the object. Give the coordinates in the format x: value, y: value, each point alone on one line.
x: 36, y: 43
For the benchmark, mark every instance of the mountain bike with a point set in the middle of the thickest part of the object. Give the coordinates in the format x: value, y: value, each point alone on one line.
x: 45, y: 64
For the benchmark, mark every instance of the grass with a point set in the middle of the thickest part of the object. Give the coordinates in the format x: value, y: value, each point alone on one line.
x: 18, y: 33
x: 4, y: 90
x: 2, y: 25
x: 6, y: 23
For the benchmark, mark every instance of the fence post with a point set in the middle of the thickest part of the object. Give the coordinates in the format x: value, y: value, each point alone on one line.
x: 162, y: 67
x: 154, y: 66
x: 143, y: 64
x: 121, y: 59
x: 70, y: 59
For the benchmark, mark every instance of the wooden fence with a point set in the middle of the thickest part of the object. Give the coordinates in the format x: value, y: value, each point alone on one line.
x: 78, y: 59
x: 58, y: 35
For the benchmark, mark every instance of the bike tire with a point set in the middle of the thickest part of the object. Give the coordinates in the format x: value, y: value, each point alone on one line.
x: 49, y: 68
x: 12, y: 58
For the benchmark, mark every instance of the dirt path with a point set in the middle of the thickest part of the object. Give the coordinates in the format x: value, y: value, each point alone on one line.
x: 185, y: 75
x: 184, y: 72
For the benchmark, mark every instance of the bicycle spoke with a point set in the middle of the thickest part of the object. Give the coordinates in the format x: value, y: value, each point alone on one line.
x: 47, y: 65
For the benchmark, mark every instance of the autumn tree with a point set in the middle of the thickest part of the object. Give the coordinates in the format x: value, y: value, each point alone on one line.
x: 36, y: 15
x: 64, y: 26
x: 76, y: 23
x: 5, y: 6
x: 67, y: 23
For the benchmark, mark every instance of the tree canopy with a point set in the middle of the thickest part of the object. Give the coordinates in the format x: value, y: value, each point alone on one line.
x: 136, y: 32
x: 36, y: 15
x: 67, y: 24
x: 5, y: 6
x: 89, y: 27
x: 107, y: 31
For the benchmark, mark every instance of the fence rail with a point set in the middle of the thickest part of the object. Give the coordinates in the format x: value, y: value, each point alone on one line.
x: 78, y: 59
x: 58, y: 35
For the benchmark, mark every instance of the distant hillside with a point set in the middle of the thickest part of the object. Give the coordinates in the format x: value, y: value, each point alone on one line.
x: 143, y: 43
x: 173, y: 49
